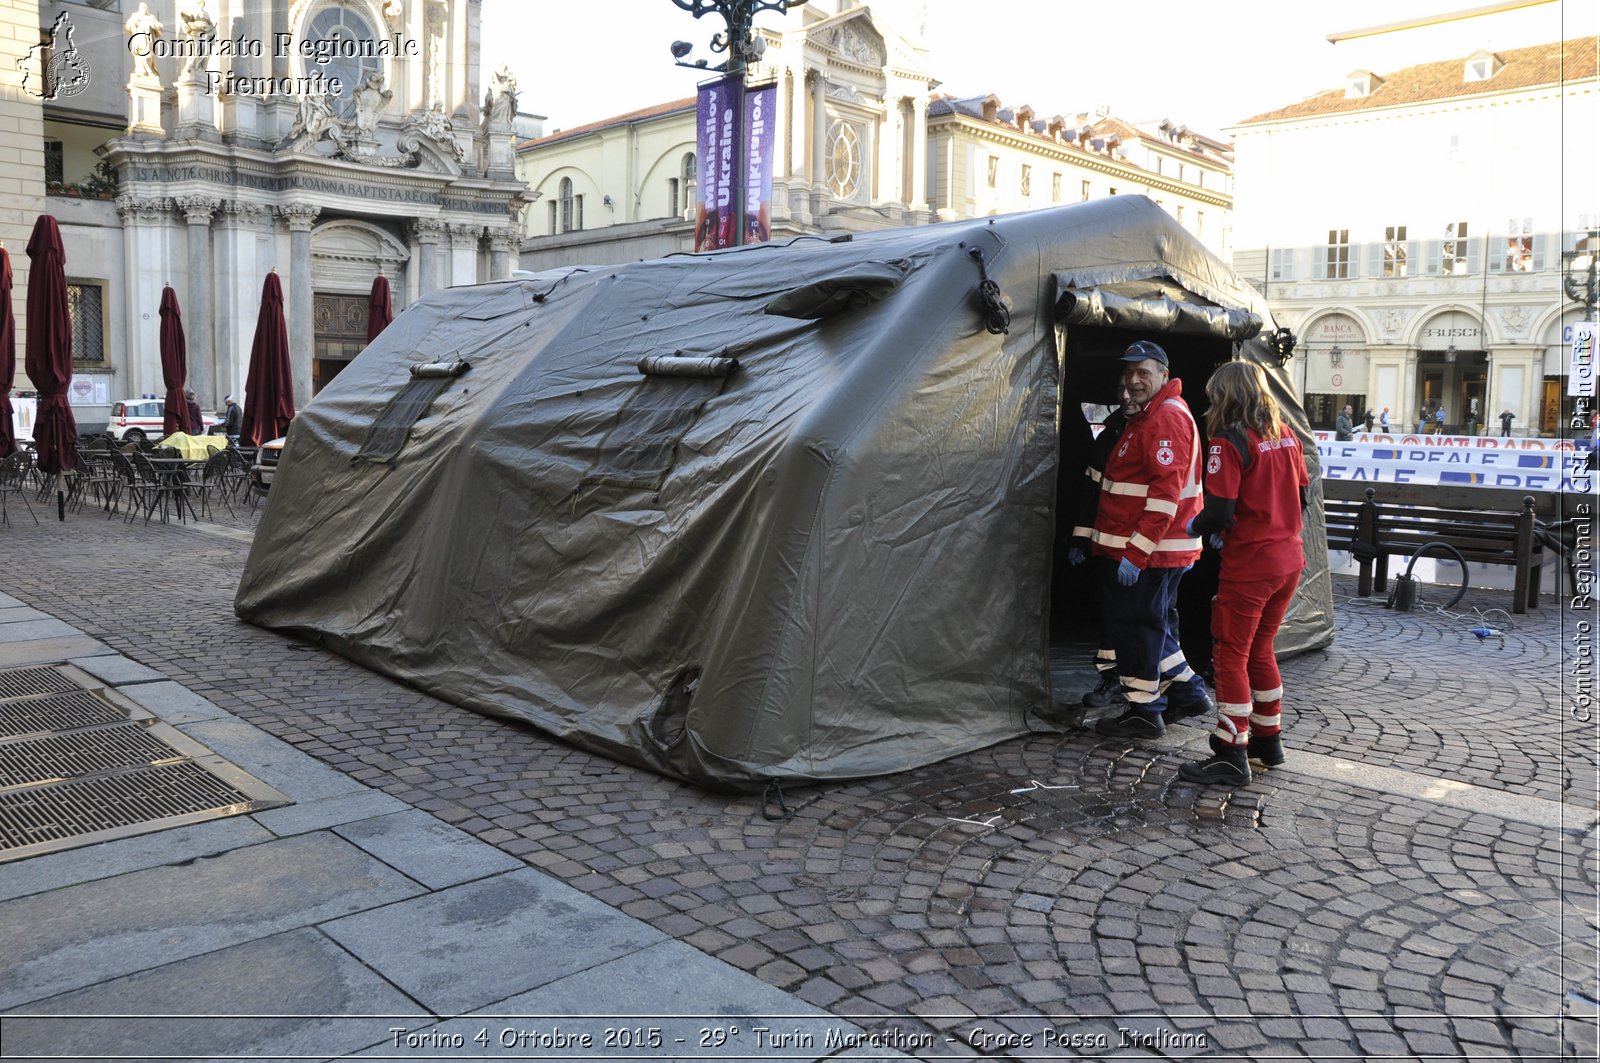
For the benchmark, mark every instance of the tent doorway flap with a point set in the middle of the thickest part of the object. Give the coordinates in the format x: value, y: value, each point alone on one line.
x: 1152, y: 305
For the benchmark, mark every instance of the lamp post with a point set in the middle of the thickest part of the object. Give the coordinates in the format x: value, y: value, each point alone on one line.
x: 1579, y: 279
x: 744, y: 46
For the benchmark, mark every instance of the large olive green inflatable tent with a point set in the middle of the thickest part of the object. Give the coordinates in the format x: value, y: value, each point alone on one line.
x: 783, y: 512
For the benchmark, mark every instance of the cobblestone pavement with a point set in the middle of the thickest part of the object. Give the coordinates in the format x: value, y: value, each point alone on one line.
x: 1055, y: 882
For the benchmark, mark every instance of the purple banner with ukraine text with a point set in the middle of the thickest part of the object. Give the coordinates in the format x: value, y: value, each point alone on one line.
x: 717, y: 141
x: 759, y: 105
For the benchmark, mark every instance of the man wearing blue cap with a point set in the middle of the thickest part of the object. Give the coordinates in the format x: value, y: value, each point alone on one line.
x: 1149, y: 492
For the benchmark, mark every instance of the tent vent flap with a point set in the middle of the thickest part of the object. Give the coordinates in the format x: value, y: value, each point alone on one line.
x: 388, y: 434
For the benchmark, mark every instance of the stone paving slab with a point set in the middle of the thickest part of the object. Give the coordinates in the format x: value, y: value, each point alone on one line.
x: 467, y: 947
x: 424, y: 849
x: 666, y: 1002
x: 17, y: 613
x: 49, y: 650
x: 175, y: 704
x: 42, y: 626
x: 302, y: 986
x: 179, y: 845
x: 271, y: 760
x: 322, y: 813
x: 118, y: 670
x: 71, y: 938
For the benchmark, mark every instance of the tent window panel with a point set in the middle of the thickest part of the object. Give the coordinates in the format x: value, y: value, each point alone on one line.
x: 639, y: 450
x: 388, y: 433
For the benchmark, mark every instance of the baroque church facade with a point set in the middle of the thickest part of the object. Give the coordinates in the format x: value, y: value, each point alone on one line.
x: 205, y: 143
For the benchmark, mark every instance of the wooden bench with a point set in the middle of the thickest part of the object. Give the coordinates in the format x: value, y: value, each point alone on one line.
x: 1373, y: 529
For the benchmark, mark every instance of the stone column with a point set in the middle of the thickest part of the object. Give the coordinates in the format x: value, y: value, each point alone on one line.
x: 235, y: 301
x: 198, y: 323
x: 300, y: 217
x: 143, y: 253
x: 818, y: 200
x: 919, y: 158
x: 465, y: 238
x: 429, y: 234
x: 505, y: 245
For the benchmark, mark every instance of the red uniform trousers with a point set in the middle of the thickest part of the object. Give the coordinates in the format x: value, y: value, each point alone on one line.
x: 1245, y: 617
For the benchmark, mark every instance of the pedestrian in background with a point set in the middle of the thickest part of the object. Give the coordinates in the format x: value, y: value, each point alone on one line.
x: 1422, y: 420
x: 1149, y: 492
x: 1383, y: 421
x: 1255, y: 490
x: 197, y: 423
x: 1506, y: 417
x: 232, y: 420
x: 1343, y: 426
x: 1369, y: 420
x: 1438, y: 419
x: 1109, y: 687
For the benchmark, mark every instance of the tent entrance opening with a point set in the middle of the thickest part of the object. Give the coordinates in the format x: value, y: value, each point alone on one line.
x: 1089, y: 391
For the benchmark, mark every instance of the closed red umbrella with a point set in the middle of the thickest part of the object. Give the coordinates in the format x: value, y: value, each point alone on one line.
x: 380, y: 307
x: 269, y: 386
x: 49, y: 354
x: 174, y: 365
x: 8, y: 357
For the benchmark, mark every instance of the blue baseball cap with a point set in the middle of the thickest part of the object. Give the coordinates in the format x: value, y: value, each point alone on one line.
x: 1140, y: 350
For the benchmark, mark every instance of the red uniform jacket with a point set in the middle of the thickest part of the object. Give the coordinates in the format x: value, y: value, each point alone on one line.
x: 1151, y: 487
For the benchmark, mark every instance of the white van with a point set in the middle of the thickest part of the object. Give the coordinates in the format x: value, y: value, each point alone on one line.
x: 136, y: 420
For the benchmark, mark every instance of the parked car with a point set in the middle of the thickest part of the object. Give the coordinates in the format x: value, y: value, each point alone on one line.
x: 267, y: 462
x: 136, y: 420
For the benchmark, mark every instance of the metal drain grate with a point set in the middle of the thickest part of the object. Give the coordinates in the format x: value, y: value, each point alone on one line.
x: 170, y: 793
x: 57, y: 712
x: 26, y: 682
x: 93, y: 751
x: 80, y: 764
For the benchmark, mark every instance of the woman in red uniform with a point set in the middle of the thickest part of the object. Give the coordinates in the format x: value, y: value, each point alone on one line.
x: 1254, y: 492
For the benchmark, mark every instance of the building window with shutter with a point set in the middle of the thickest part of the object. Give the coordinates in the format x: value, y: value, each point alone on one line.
x: 1337, y: 258
x: 566, y: 200
x: 1055, y: 188
x: 1455, y: 247
x: 1027, y: 180
x: 1519, y: 246
x: 1394, y: 251
x: 994, y: 171
x: 86, y: 308
x: 1084, y: 191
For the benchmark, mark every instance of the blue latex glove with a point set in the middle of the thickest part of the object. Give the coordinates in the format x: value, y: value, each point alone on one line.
x: 1127, y: 573
x: 1077, y: 555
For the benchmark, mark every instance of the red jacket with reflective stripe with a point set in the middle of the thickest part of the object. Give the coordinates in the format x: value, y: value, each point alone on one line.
x: 1150, y: 489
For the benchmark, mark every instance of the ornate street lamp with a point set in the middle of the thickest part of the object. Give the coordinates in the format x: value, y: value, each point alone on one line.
x: 744, y: 46
x: 738, y: 39
x: 1580, y: 274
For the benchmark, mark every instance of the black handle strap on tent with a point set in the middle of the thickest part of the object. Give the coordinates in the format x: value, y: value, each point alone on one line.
x: 680, y: 364
x: 997, y: 315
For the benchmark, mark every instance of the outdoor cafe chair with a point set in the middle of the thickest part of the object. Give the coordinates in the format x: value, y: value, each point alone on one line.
x: 96, y: 477
x: 14, y: 482
x: 213, y: 480
x: 159, y: 489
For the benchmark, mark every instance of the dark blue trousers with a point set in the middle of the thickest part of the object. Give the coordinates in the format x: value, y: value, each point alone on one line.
x: 1144, y: 632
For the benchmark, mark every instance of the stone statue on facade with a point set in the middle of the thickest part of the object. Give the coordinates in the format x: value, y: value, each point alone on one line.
x: 314, y: 121
x: 142, y: 29
x: 500, y: 102
x: 394, y: 13
x: 371, y: 99
x: 197, y: 27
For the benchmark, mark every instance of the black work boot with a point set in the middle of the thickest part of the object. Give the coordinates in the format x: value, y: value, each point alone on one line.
x: 1132, y: 724
x: 1228, y: 766
x: 1204, y: 705
x: 1107, y: 690
x: 1268, y: 749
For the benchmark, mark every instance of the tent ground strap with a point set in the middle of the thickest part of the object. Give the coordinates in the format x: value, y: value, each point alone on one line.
x: 997, y: 315
x: 775, y: 790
